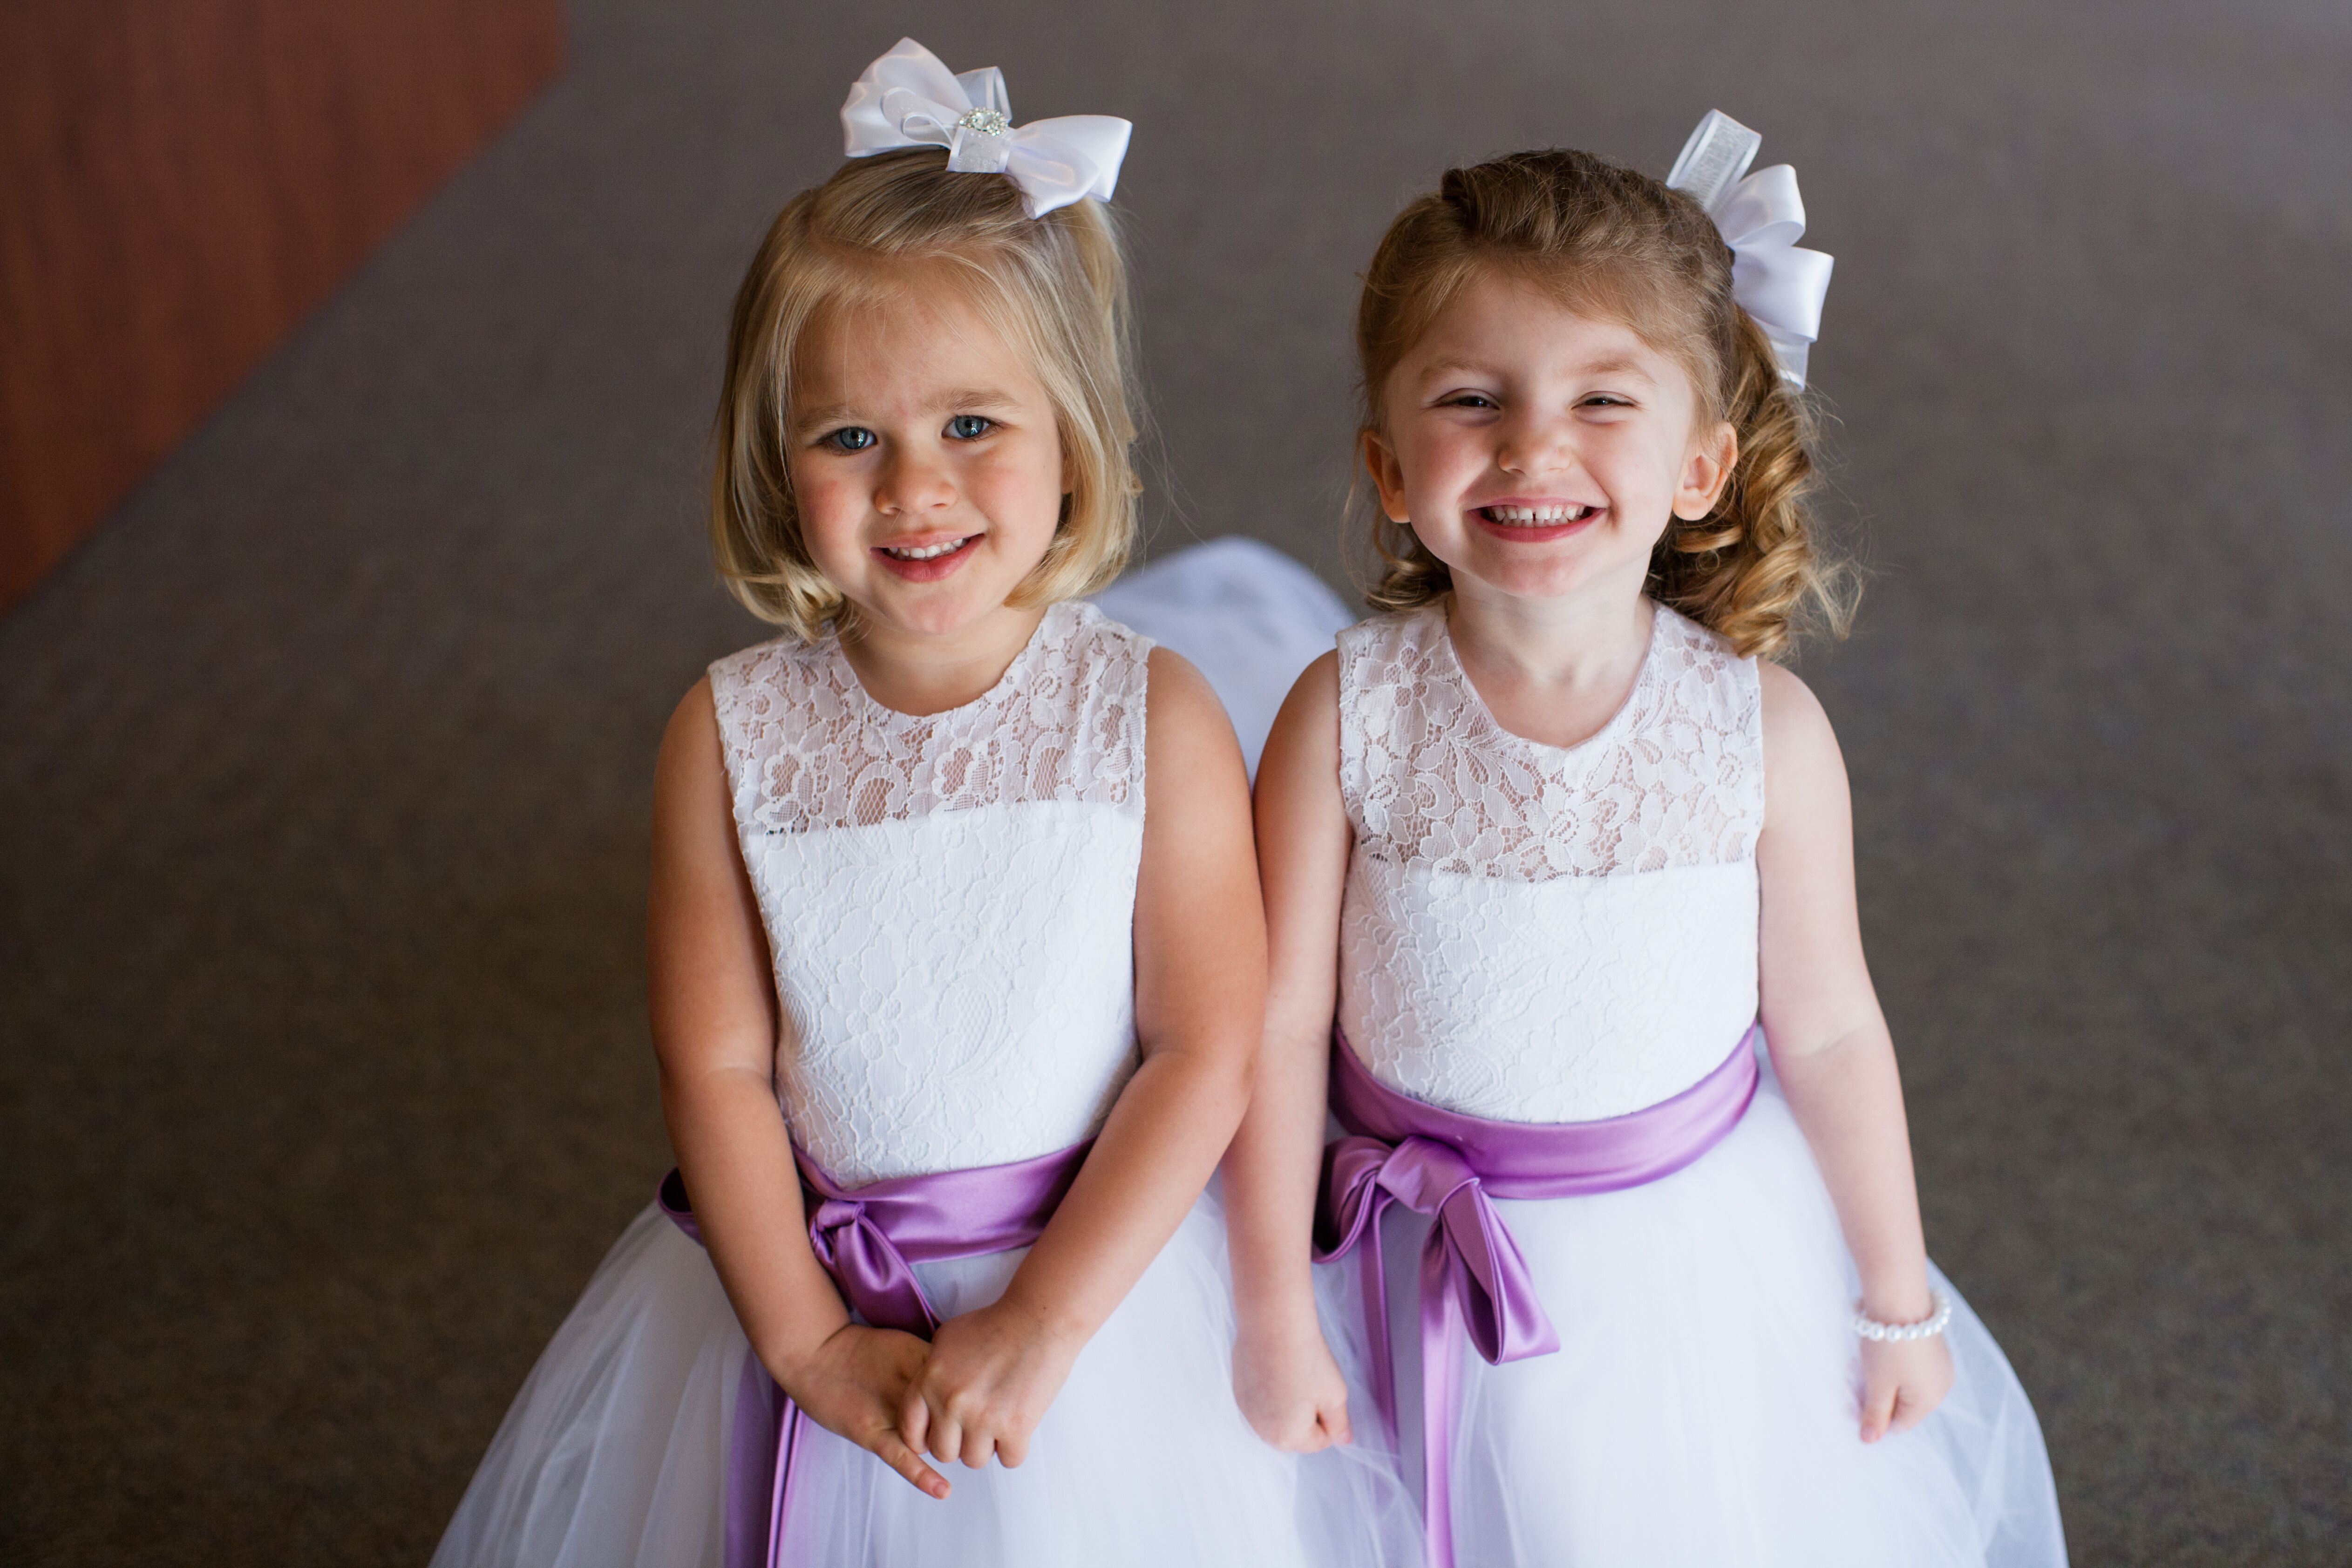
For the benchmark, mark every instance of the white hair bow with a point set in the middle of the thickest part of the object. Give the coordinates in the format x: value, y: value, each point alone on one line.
x: 1761, y: 218
x: 910, y: 98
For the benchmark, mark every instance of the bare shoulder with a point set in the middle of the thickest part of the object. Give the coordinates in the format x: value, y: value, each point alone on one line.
x: 1309, y: 719
x: 1318, y: 687
x: 1796, y: 726
x: 690, y: 757
x: 1299, y: 768
x: 1180, y: 693
x: 1804, y: 769
x: 1186, y: 731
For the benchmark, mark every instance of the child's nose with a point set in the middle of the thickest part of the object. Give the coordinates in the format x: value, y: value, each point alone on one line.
x: 1528, y: 446
x: 911, y: 483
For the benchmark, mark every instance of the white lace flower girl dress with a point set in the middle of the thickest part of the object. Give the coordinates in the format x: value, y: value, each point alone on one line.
x: 950, y: 905
x: 1538, y: 934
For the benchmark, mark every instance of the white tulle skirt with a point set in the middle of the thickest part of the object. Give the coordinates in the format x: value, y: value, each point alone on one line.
x: 615, y: 1451
x: 1703, y: 1408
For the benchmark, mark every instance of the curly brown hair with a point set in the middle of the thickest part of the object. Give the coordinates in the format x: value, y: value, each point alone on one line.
x: 1617, y: 243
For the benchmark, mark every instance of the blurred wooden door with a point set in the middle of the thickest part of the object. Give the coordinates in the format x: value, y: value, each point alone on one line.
x: 181, y: 183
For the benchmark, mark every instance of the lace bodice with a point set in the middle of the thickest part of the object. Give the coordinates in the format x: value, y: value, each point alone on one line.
x: 1538, y: 933
x: 949, y: 900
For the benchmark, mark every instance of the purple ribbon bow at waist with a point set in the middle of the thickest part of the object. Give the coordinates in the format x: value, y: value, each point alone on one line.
x: 868, y: 1239
x: 1474, y: 1281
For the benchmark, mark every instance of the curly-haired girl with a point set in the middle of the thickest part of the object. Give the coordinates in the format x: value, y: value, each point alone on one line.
x: 1558, y: 846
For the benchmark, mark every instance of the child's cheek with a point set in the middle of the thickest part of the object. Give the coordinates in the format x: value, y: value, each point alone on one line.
x: 830, y: 513
x: 1021, y: 480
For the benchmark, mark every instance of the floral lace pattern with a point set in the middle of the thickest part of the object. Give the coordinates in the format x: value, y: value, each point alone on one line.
x: 807, y: 749
x: 1675, y: 779
x: 949, y: 901
x: 1538, y: 933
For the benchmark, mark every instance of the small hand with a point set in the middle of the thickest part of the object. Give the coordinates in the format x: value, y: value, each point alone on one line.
x: 1290, y: 1389
x: 1902, y: 1382
x: 990, y: 1378
x: 852, y: 1386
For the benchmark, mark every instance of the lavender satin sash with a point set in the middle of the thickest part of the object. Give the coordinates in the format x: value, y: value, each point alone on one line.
x: 1474, y: 1281
x: 868, y: 1239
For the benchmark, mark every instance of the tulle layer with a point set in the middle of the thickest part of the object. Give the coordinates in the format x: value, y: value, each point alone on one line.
x: 615, y: 1451
x: 1704, y: 1407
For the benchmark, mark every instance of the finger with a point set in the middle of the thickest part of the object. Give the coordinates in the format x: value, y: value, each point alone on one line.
x: 914, y: 1418
x: 1910, y: 1409
x: 1878, y: 1404
x: 947, y: 1437
x: 909, y: 1464
x: 1011, y: 1448
x: 1335, y: 1421
x: 979, y: 1444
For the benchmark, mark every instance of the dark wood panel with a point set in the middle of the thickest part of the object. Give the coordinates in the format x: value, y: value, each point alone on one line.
x: 181, y: 184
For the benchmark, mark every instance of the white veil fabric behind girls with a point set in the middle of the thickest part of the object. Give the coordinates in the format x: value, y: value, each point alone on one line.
x: 1247, y: 616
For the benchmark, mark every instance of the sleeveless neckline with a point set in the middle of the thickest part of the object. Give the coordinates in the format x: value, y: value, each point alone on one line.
x: 1456, y: 671
x: 998, y: 690
x: 1429, y: 777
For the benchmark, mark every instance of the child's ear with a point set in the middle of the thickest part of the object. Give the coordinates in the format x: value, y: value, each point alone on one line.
x: 1705, y: 472
x: 1388, y: 474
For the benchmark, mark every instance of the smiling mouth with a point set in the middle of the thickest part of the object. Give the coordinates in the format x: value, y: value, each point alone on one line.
x: 1535, y: 516
x: 926, y: 552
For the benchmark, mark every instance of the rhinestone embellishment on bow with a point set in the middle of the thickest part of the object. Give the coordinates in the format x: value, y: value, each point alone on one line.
x: 985, y: 122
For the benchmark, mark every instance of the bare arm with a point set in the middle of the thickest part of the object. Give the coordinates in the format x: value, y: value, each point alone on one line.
x: 1284, y: 1377
x: 714, y: 1023
x: 1200, y: 985
x: 1830, y: 1042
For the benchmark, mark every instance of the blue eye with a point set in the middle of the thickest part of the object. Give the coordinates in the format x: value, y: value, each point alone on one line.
x: 851, y: 438
x: 970, y: 426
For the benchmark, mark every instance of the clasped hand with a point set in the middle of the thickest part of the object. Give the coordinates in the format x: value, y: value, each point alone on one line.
x: 977, y: 1390
x: 989, y: 1380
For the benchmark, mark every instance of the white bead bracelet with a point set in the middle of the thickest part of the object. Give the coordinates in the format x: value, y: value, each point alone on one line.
x: 1928, y: 1327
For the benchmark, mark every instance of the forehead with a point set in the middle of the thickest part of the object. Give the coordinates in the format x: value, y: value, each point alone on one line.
x: 912, y: 329
x: 1505, y: 321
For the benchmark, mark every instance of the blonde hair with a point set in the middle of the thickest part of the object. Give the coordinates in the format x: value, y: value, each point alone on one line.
x: 1620, y: 244
x: 1055, y: 286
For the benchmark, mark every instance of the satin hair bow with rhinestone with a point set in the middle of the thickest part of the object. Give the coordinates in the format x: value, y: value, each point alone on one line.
x: 1761, y: 218
x: 910, y: 98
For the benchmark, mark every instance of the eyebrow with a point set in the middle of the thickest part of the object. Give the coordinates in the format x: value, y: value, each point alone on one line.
x: 1615, y: 365
x: 845, y: 413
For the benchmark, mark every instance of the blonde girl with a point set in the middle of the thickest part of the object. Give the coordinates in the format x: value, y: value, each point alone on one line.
x: 1558, y: 842
x: 957, y: 959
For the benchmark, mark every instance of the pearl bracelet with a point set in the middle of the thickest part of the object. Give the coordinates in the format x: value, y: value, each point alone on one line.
x: 1928, y: 1327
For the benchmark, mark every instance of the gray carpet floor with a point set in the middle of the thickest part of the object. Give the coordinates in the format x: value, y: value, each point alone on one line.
x: 324, y: 766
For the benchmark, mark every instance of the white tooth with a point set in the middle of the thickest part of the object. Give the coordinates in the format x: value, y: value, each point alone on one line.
x: 1537, y: 517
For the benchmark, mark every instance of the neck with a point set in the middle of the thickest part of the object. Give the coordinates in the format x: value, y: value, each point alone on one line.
x: 1572, y: 641
x: 924, y: 673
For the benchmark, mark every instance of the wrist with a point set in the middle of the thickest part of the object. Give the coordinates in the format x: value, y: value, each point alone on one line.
x: 1932, y: 1326
x: 790, y: 1357
x: 1900, y: 1300
x: 1277, y: 1314
x: 1051, y: 1323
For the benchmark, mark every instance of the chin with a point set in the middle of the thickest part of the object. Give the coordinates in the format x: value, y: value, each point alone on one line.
x: 1526, y: 581
x: 935, y: 618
